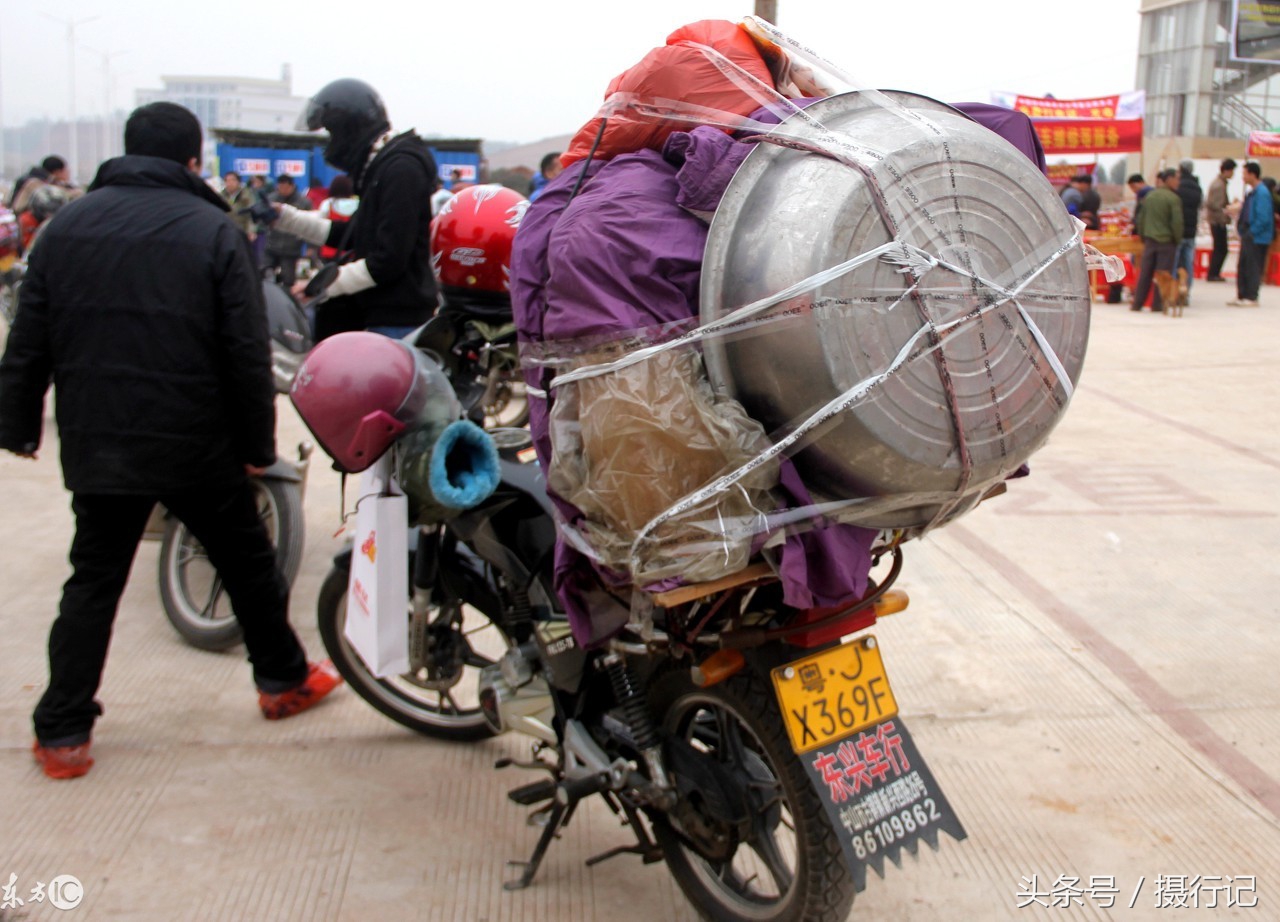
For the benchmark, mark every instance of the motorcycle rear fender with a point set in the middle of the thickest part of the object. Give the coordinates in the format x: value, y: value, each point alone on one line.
x: 286, y: 470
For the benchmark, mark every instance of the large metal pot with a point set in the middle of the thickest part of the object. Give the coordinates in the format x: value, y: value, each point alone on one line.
x: 992, y: 386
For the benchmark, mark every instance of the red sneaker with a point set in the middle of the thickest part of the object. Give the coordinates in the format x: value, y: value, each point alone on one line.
x: 321, y: 679
x: 63, y: 761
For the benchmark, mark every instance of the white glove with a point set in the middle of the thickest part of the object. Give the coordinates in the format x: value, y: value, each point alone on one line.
x: 352, y: 277
x: 305, y: 224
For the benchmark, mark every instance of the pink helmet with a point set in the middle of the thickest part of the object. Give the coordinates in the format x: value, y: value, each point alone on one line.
x: 358, y: 392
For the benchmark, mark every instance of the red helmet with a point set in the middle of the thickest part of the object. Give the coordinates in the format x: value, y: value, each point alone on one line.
x: 471, y: 238
x: 358, y: 392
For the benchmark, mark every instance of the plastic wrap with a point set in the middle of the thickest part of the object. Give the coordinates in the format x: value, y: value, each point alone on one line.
x: 894, y: 305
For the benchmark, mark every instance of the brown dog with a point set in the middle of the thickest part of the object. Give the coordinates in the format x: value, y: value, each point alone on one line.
x: 1169, y: 289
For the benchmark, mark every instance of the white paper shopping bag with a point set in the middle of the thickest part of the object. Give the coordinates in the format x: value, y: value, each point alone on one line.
x: 378, y: 590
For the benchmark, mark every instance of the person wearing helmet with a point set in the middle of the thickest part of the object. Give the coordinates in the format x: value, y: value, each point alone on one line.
x: 38, y: 194
x: 44, y: 203
x: 471, y: 240
x: 143, y: 307
x: 386, y: 285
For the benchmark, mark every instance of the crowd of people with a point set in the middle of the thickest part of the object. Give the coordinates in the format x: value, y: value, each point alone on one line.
x: 1167, y: 218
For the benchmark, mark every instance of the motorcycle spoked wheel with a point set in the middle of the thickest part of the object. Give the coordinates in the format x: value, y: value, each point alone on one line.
x: 191, y: 591
x: 416, y: 700
x: 790, y: 865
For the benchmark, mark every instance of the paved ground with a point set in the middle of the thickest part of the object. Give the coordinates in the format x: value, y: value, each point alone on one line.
x: 1089, y: 665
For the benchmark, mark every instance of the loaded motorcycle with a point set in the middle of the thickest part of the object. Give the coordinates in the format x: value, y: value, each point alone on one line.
x: 190, y: 590
x: 754, y: 748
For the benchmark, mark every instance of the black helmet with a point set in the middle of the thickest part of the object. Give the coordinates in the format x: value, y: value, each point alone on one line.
x: 353, y: 114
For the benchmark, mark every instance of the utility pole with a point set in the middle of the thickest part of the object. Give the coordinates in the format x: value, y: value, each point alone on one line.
x: 105, y: 133
x: 72, y: 155
x: 767, y: 10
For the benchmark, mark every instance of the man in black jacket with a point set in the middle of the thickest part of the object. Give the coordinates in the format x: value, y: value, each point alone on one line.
x: 142, y: 305
x: 1192, y: 195
x: 387, y: 286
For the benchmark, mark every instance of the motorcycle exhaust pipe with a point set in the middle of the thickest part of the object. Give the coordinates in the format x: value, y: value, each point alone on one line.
x: 527, y: 709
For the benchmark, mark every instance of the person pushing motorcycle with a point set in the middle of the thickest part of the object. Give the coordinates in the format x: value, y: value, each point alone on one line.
x: 386, y: 285
x: 143, y: 307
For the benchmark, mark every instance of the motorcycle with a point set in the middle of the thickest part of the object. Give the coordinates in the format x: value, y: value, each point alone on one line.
x: 478, y: 350
x: 190, y: 590
x: 754, y: 748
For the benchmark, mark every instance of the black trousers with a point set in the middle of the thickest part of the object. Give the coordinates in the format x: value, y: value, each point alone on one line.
x: 1155, y: 256
x: 108, y: 528
x: 1253, y: 261
x: 1219, y: 255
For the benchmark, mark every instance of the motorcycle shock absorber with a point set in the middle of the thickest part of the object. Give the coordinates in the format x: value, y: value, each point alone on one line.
x: 629, y: 694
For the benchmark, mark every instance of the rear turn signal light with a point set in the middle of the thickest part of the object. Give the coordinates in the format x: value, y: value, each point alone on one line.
x: 895, y: 600
x: 717, y: 667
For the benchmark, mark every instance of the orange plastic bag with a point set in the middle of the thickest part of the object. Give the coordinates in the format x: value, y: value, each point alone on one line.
x: 677, y: 71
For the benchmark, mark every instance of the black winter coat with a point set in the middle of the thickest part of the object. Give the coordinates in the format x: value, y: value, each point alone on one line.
x: 390, y: 231
x: 142, y: 304
x: 1192, y: 195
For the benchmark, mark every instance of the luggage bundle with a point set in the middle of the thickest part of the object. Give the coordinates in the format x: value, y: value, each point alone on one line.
x: 774, y: 313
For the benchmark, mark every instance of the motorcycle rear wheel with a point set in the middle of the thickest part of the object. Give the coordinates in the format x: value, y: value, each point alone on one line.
x: 190, y: 590
x: 790, y: 867
x: 407, y: 699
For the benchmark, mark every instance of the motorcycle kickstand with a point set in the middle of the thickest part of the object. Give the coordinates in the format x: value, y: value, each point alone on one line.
x: 650, y: 852
x: 557, y: 818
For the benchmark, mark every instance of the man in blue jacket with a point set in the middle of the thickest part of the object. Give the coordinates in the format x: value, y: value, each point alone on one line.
x: 1257, y: 228
x: 143, y: 307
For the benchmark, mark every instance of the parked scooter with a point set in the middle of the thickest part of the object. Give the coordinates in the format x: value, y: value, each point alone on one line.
x: 190, y: 590
x: 753, y: 747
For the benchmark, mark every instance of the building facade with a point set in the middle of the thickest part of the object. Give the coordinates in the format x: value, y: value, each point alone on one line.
x: 1200, y: 102
x: 243, y: 103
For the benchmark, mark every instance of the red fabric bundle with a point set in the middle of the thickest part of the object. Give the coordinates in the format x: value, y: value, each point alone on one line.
x: 675, y: 71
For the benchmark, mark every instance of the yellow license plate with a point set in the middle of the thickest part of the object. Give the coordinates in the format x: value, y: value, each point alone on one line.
x: 827, y: 696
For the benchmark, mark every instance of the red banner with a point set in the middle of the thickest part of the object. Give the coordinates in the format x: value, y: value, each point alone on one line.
x: 1100, y: 107
x: 1263, y: 144
x: 1128, y: 105
x: 1089, y: 135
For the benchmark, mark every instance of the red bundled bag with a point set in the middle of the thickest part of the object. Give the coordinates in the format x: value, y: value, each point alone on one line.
x: 676, y: 71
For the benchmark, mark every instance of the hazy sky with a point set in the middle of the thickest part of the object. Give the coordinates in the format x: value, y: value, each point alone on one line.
x: 519, y: 71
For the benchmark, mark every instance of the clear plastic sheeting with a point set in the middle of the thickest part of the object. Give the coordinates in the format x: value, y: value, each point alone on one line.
x: 894, y: 305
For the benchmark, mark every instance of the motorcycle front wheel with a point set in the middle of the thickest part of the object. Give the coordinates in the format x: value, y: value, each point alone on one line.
x: 443, y: 703
x: 788, y: 865
x: 190, y: 589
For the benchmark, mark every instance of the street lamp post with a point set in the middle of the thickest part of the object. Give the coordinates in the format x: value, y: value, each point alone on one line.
x: 72, y: 155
